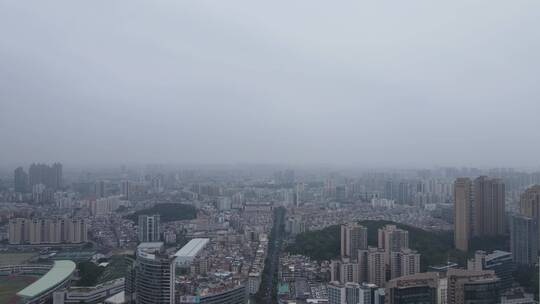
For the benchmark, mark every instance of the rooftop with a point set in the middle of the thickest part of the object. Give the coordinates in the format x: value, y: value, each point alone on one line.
x: 150, y: 247
x: 58, y: 273
x: 192, y: 248
x: 498, y: 254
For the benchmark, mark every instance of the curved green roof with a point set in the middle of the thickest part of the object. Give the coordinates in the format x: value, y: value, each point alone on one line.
x: 58, y: 273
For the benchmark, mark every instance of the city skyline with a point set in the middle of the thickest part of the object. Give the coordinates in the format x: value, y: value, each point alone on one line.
x: 283, y: 152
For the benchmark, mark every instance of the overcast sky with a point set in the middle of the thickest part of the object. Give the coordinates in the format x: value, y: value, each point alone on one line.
x: 405, y: 83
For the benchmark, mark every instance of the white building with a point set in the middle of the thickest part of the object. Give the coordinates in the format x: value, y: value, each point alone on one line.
x: 382, y: 203
x: 187, y: 254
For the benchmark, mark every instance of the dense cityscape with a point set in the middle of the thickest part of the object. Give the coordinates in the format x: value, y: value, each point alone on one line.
x: 269, y: 152
x: 265, y: 234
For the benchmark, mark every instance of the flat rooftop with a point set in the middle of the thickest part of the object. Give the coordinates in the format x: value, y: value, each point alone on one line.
x: 498, y: 254
x: 150, y: 247
x: 58, y: 273
x: 192, y: 248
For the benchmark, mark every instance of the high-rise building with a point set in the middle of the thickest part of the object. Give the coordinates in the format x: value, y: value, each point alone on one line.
x: 371, y: 266
x: 443, y: 290
x: 42, y: 194
x: 404, y: 193
x: 524, y: 239
x: 463, y: 196
x: 20, y: 180
x: 390, y: 190
x: 468, y: 286
x: 329, y: 188
x: 489, y: 208
x: 57, y: 176
x: 149, y: 228
x: 151, y: 279
x: 350, y: 293
x: 530, y: 203
x: 130, y: 282
x: 157, y: 184
x: 479, y: 209
x: 99, y: 189
x: 125, y: 188
x: 379, y: 296
x: 106, y: 205
x: 299, y: 191
x: 391, y: 239
x: 353, y: 238
x: 336, y: 293
x: 363, y: 267
x: 498, y: 261
x: 404, y: 262
x: 50, y: 176
x: 344, y: 271
x: 367, y: 293
x: 295, y: 224
x: 47, y: 231
x: 413, y: 289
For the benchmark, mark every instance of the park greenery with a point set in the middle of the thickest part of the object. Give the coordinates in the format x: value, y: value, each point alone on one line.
x: 168, y: 212
x: 435, y: 247
x: 89, y: 273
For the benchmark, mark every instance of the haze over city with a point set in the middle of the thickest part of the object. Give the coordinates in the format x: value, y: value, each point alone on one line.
x: 408, y: 84
x: 288, y: 152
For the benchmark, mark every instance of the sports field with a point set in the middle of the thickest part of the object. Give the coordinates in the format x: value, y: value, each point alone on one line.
x: 10, y: 285
x: 15, y: 258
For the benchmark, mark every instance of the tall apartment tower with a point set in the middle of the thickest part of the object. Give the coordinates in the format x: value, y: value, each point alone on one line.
x: 57, y: 175
x: 47, y: 231
x: 530, y: 203
x: 336, y: 293
x: 350, y: 293
x: 371, y: 266
x: 463, y: 201
x: 50, y: 176
x: 20, y: 180
x: 149, y: 228
x: 392, y: 239
x: 524, y: 239
x: 344, y: 271
x: 479, y: 209
x: 100, y: 189
x: 489, y: 208
x: 126, y: 190
x: 353, y: 238
x: 404, y: 262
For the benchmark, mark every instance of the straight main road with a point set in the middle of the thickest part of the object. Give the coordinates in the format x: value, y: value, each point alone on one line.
x: 267, y: 290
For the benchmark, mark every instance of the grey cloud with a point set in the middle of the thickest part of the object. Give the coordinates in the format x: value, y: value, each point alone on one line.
x: 384, y: 83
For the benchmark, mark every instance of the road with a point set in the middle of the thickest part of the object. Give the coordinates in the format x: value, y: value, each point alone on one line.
x: 269, y: 281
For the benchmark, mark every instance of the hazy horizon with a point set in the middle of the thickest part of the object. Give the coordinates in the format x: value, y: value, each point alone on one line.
x: 406, y: 84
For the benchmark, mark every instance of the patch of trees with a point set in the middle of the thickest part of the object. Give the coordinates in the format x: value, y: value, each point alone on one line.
x: 436, y: 248
x: 168, y: 212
